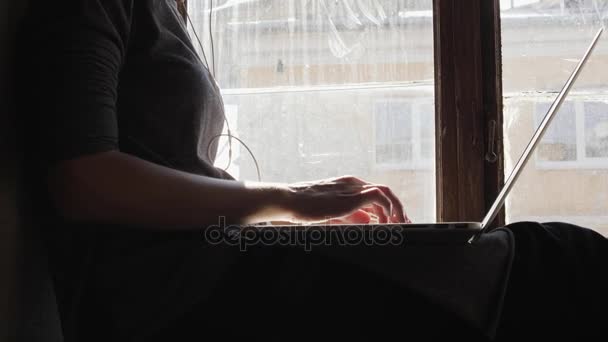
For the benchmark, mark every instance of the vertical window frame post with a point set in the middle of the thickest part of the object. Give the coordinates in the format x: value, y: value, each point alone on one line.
x: 468, y: 93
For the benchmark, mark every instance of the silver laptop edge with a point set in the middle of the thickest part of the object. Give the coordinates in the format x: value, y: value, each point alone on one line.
x: 521, y: 163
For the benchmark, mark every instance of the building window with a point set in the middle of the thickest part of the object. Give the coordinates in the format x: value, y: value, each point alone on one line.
x: 559, y: 141
x: 511, y: 4
x: 596, y: 131
x: 577, y: 137
x: 404, y: 134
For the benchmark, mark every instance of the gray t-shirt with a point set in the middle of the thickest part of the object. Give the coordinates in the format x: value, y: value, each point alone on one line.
x: 123, y: 74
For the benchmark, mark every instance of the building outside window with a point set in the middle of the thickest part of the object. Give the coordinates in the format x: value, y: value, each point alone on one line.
x: 404, y: 134
x: 577, y: 137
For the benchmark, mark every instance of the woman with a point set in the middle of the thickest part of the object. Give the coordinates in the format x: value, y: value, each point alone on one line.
x: 120, y: 113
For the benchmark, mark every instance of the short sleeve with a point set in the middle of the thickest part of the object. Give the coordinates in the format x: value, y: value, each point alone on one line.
x: 76, y: 49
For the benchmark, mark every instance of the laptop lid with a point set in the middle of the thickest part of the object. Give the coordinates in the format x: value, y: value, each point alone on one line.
x: 521, y: 163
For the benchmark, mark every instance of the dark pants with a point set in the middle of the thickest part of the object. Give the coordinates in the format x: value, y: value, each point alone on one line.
x: 559, y: 285
x: 117, y: 284
x: 558, y: 288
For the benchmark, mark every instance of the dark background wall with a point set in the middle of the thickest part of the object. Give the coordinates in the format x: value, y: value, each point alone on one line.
x: 9, y: 221
x: 27, y: 305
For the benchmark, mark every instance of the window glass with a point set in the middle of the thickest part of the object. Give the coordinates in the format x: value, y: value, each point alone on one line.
x: 542, y: 42
x: 320, y: 88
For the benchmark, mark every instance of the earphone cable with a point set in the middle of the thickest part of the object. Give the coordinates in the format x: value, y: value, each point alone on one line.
x: 229, y: 134
x: 198, y: 40
x: 255, y: 161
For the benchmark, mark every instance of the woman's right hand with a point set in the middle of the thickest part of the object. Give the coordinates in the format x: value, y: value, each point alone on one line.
x: 344, y: 199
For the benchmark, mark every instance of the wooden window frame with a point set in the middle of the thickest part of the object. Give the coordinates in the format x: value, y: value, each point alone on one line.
x: 468, y: 97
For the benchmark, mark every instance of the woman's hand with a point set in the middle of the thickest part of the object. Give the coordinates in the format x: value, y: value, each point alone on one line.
x: 344, y: 200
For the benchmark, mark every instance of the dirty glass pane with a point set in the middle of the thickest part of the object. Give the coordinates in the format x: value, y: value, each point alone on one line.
x: 567, y: 180
x: 320, y: 88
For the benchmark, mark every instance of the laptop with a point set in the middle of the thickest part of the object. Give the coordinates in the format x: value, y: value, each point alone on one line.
x: 471, y: 231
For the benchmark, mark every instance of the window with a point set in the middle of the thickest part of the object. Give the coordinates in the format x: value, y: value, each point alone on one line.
x: 309, y: 79
x: 404, y: 134
x: 560, y: 6
x: 306, y: 78
x: 583, y: 5
x: 559, y: 143
x: 576, y: 137
x: 511, y: 4
x: 596, y: 131
x: 542, y: 43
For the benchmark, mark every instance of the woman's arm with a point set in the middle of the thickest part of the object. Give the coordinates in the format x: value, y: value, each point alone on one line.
x: 113, y: 187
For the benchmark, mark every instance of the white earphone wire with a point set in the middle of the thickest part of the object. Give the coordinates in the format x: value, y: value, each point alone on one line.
x: 212, y: 71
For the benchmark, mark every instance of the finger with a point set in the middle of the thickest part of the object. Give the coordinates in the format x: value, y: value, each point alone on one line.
x: 358, y: 217
x: 376, y: 196
x: 406, y: 218
x: 398, y: 214
x: 378, y: 212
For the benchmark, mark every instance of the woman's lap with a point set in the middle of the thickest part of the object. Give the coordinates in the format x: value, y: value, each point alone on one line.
x: 318, y: 298
x: 556, y: 287
x: 559, y: 282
